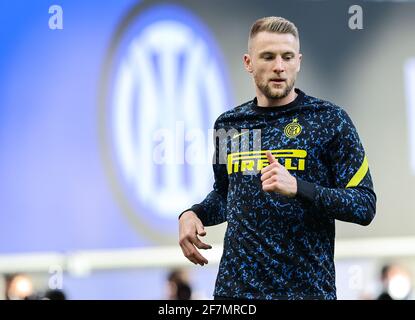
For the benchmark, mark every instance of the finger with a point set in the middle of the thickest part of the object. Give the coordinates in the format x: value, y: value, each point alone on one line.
x: 269, y: 167
x: 268, y: 187
x: 193, y: 254
x: 271, y: 180
x: 201, y: 245
x: 186, y: 251
x: 184, y: 244
x: 201, y: 232
x: 272, y: 164
x: 269, y: 174
x: 271, y: 158
x: 200, y: 229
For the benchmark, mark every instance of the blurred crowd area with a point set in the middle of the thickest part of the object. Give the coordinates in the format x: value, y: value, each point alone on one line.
x: 389, y: 280
x: 20, y: 286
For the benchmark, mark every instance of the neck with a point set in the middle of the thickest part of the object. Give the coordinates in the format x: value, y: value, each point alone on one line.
x: 264, y: 101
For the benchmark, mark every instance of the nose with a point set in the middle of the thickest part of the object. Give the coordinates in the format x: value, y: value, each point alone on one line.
x: 278, y: 65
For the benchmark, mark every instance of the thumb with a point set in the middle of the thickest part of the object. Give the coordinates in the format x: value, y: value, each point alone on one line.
x: 200, y: 230
x: 271, y: 158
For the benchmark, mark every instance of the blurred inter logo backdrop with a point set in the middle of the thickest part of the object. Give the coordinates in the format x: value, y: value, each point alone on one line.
x: 164, y: 84
x: 81, y: 175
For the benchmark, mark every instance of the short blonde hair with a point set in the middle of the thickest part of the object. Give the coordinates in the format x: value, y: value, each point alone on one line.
x: 273, y: 24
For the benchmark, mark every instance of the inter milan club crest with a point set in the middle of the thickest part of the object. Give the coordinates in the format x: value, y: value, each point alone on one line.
x: 293, y: 129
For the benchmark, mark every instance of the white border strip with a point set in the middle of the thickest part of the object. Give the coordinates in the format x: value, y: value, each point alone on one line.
x: 409, y: 74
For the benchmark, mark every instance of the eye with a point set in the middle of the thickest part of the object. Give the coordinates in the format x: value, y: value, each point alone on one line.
x: 288, y: 58
x: 268, y: 57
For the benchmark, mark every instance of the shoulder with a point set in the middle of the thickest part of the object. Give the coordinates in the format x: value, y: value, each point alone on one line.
x: 337, y: 124
x: 234, y: 113
x: 329, y: 111
x: 324, y: 106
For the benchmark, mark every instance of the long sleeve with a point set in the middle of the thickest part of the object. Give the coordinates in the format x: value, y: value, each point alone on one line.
x: 351, y: 198
x: 212, y: 210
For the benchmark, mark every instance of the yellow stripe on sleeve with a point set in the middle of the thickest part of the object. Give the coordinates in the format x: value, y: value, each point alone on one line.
x: 359, y: 175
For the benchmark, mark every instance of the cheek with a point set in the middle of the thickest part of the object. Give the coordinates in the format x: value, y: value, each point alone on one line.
x: 293, y: 70
x: 260, y: 77
x: 296, y: 67
x: 260, y: 71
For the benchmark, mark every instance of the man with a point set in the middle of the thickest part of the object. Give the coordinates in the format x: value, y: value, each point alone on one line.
x: 280, y: 201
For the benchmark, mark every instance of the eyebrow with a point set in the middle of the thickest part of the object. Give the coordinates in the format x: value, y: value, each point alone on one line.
x: 261, y: 54
x: 264, y: 53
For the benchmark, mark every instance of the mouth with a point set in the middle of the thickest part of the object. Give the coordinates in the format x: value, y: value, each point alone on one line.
x: 277, y: 80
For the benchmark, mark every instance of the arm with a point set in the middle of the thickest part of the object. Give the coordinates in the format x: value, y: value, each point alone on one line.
x: 352, y: 198
x: 355, y: 204
x: 211, y: 211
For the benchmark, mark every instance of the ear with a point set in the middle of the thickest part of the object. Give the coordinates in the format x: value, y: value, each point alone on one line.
x: 300, y: 57
x: 248, y: 63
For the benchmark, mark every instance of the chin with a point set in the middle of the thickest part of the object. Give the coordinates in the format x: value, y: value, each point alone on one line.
x: 278, y: 94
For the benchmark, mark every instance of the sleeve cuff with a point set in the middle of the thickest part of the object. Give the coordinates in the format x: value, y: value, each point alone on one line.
x: 306, y: 190
x: 197, y: 208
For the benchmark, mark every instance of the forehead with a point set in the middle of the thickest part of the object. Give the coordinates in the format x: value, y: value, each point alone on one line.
x: 274, y: 42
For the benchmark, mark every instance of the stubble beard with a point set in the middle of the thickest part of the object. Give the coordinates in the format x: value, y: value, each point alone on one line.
x: 268, y: 91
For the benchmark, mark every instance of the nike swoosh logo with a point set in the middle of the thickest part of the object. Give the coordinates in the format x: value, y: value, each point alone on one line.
x: 237, y: 135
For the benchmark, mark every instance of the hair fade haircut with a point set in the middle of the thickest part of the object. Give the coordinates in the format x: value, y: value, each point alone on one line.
x: 273, y: 24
